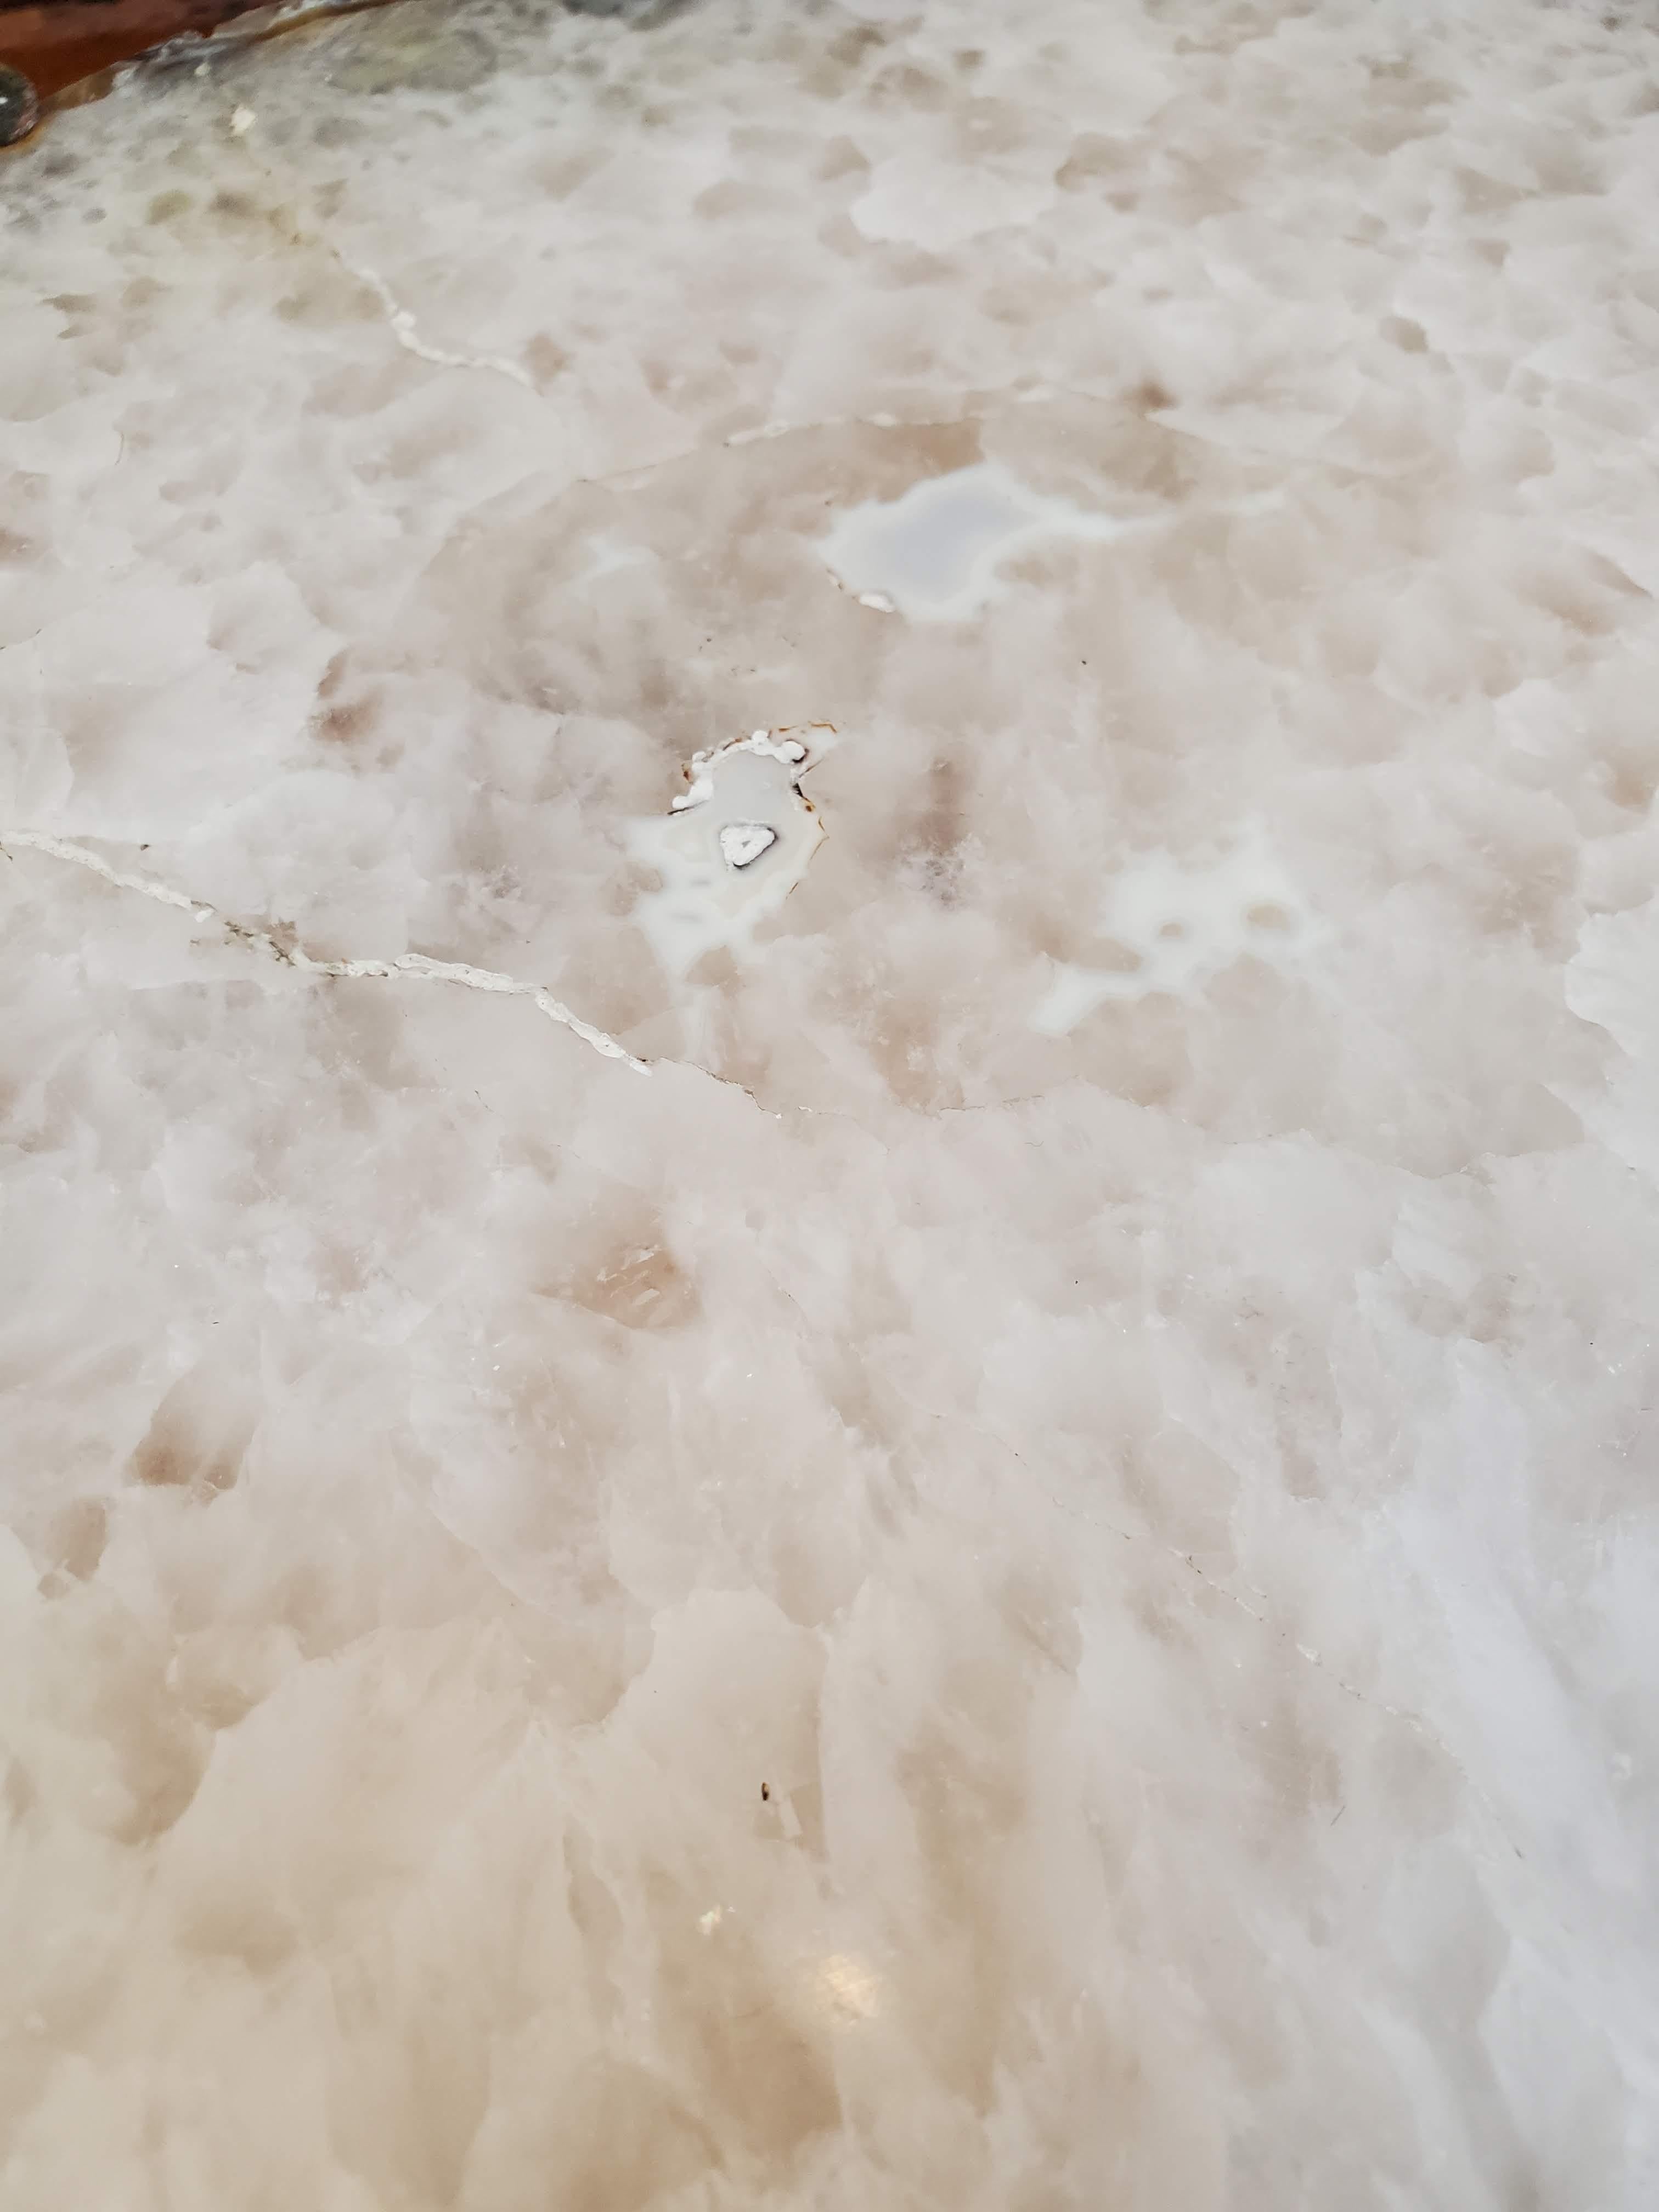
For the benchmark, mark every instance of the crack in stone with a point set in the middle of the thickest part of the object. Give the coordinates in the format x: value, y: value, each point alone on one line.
x: 277, y: 944
x: 61, y: 849
x: 401, y: 320
x: 417, y: 966
x: 406, y: 330
x: 411, y: 966
x: 980, y: 407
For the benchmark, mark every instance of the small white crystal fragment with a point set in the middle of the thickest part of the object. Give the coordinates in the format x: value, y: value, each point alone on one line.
x: 742, y: 843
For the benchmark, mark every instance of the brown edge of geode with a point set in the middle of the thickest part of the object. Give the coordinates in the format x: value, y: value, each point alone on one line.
x: 62, y: 42
x: 70, y: 50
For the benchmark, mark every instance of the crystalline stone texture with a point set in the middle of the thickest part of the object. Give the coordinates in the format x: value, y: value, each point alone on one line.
x: 1023, y: 1578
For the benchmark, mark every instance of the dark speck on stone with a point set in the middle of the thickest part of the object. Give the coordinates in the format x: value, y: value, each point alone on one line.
x: 20, y: 111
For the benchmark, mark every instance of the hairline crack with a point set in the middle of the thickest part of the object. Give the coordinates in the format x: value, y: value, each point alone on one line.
x: 404, y: 966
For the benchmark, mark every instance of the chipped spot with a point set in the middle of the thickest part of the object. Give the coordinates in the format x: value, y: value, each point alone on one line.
x: 731, y: 849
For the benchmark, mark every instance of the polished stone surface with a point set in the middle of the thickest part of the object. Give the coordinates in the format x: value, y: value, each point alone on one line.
x: 830, y: 1184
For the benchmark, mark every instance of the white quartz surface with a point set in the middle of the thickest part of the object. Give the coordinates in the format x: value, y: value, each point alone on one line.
x: 954, y: 1514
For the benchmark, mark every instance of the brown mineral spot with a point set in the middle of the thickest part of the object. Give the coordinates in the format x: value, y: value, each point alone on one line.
x: 1149, y: 396
x: 198, y: 1436
x: 76, y: 1537
x: 644, y: 1289
x: 1270, y: 918
x: 343, y: 725
x: 1091, y: 159
x: 843, y: 158
x: 545, y: 358
x: 1401, y: 330
x: 933, y: 847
